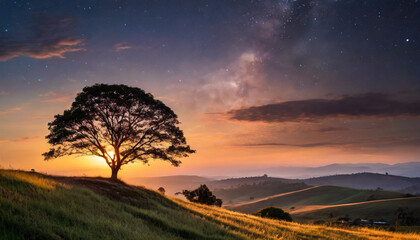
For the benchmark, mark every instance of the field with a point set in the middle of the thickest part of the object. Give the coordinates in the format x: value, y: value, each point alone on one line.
x: 247, y: 192
x: 379, y: 209
x: 320, y: 195
x: 34, y: 206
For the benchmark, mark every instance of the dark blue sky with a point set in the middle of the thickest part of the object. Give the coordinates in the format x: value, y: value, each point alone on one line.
x: 206, y: 59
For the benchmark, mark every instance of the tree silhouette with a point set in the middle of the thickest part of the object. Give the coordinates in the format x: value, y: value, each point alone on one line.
x: 162, y: 190
x: 120, y: 119
x: 202, y: 195
x: 274, y: 213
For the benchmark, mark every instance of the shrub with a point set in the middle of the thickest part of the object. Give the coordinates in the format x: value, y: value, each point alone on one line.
x: 161, y: 190
x: 371, y: 198
x: 274, y: 213
x: 202, y: 195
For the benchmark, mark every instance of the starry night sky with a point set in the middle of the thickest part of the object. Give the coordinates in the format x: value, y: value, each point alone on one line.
x: 254, y: 83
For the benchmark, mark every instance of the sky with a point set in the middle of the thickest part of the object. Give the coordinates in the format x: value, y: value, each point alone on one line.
x: 255, y: 84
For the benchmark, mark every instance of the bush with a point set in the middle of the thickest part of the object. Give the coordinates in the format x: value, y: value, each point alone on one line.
x: 371, y: 198
x: 392, y: 229
x: 162, y: 190
x: 202, y: 195
x: 274, y: 213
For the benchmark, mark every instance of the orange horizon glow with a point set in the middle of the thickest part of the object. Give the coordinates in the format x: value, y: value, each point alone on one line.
x: 218, y: 153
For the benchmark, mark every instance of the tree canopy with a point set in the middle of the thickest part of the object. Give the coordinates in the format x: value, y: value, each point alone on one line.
x: 119, y: 123
x: 274, y: 213
x: 202, y: 195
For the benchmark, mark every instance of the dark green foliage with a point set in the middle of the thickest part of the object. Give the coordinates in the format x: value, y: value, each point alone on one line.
x: 371, y: 198
x: 357, y: 222
x: 121, y: 119
x: 202, y: 195
x: 274, y: 213
x: 404, y: 217
x: 408, y: 195
x: 162, y: 190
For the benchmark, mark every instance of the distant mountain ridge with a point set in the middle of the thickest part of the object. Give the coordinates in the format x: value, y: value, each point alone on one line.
x: 361, y: 179
x: 408, y: 169
x: 367, y: 181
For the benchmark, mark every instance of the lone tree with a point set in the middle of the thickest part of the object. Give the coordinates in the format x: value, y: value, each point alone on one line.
x: 201, y: 195
x: 120, y: 124
x: 162, y: 190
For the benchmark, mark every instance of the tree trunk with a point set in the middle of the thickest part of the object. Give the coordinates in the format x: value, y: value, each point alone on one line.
x: 114, y: 174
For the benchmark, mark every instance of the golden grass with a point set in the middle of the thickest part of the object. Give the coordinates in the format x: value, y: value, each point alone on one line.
x: 31, y: 178
x: 253, y: 227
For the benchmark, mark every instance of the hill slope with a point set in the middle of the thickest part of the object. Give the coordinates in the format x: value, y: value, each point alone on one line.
x: 247, y: 192
x: 319, y: 195
x: 379, y: 209
x: 34, y: 206
x: 365, y: 181
x: 172, y: 184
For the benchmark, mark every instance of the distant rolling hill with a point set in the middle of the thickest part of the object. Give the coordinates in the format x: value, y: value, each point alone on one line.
x: 366, y: 181
x: 319, y: 195
x: 376, y: 210
x: 234, y: 182
x: 408, y: 169
x: 234, y: 190
x: 172, y: 184
x: 177, y: 183
x: 256, y: 190
x: 414, y: 189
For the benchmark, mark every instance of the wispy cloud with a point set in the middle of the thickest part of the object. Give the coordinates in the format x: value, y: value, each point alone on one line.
x: 10, y: 110
x: 389, y: 142
x: 53, y: 97
x: 50, y: 37
x: 363, y: 105
x: 303, y: 145
x: 21, y: 140
x: 330, y: 129
x: 122, y: 46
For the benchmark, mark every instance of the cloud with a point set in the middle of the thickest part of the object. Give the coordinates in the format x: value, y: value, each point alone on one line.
x: 10, y: 110
x: 304, y: 145
x: 330, y: 129
x: 362, y: 105
x: 21, y: 140
x: 53, y: 97
x: 51, y: 37
x: 367, y: 142
x: 122, y: 46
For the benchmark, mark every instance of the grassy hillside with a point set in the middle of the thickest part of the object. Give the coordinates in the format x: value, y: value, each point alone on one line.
x: 365, y: 181
x: 321, y: 195
x: 172, y: 184
x: 234, y: 182
x: 247, y: 192
x: 375, y: 210
x: 33, y: 206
